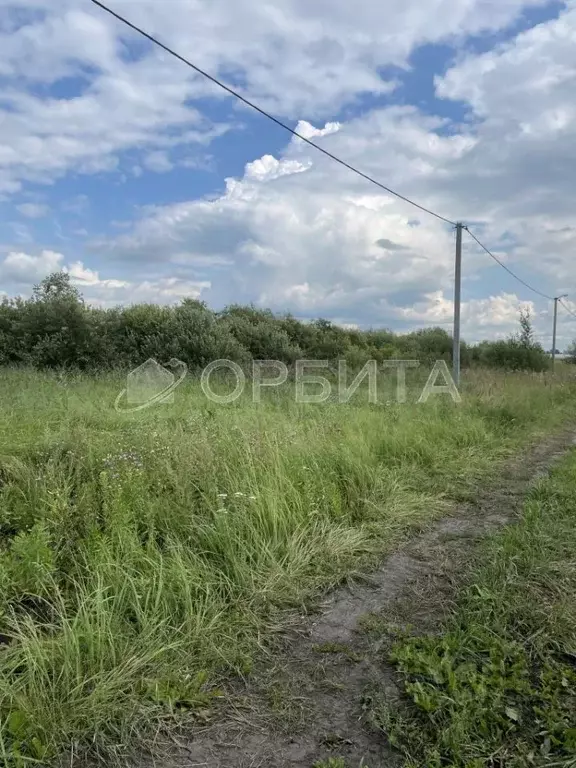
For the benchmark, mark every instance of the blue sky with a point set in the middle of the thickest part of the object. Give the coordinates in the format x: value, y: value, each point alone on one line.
x: 148, y: 184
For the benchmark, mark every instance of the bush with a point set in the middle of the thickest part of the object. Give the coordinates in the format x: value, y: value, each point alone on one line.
x: 513, y: 356
x: 517, y: 353
x: 571, y: 353
x: 260, y: 333
x: 55, y: 329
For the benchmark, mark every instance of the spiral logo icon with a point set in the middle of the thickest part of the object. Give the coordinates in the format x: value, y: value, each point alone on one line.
x: 150, y: 384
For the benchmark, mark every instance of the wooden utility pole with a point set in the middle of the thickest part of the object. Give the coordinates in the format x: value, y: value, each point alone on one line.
x: 556, y: 300
x: 457, y: 294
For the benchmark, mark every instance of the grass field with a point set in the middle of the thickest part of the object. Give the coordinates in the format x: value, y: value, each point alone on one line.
x: 145, y: 555
x: 497, y: 686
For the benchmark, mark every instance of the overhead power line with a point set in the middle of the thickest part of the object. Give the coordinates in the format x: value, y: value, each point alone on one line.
x: 514, y: 275
x: 325, y: 152
x: 567, y: 309
x: 254, y: 106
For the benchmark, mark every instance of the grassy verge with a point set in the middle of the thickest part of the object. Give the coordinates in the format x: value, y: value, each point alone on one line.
x: 143, y: 555
x: 498, y: 686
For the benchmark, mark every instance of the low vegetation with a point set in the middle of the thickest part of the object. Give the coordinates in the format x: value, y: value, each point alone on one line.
x: 55, y: 329
x: 143, y: 555
x: 497, y: 687
x: 331, y: 762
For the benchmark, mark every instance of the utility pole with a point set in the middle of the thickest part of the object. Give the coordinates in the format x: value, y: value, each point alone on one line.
x: 556, y: 300
x: 457, y: 292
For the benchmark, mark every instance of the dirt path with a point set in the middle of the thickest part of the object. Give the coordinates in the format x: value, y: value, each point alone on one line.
x: 307, y: 705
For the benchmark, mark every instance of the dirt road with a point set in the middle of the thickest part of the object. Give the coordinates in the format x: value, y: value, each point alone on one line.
x: 305, y: 704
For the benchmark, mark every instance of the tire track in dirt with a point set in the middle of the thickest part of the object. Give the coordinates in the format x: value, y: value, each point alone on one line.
x: 306, y: 705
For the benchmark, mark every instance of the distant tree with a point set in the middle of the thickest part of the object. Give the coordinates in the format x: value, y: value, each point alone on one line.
x: 53, y: 324
x: 10, y: 340
x: 56, y: 287
x: 526, y: 337
x: 517, y: 353
x: 571, y: 353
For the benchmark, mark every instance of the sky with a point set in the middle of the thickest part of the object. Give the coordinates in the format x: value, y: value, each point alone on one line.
x: 147, y: 183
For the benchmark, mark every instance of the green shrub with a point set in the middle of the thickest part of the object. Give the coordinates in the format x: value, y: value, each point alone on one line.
x: 517, y: 353
x: 55, y: 329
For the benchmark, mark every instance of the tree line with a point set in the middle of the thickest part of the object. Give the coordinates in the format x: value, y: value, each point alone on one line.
x: 54, y: 328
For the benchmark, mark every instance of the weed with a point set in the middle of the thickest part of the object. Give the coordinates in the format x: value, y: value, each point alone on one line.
x: 288, y: 708
x: 338, y: 648
x: 143, y: 556
x: 335, y: 762
x: 498, y: 687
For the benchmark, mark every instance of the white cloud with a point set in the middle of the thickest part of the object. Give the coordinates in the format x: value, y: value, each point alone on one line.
x: 33, y: 210
x: 24, y: 269
x: 302, y: 233
x: 495, y: 316
x: 308, y: 131
x: 297, y: 231
x: 131, y: 95
x: 158, y: 161
x: 112, y: 292
x: 306, y: 234
x: 83, y: 275
x: 267, y: 168
x: 301, y: 58
x: 123, y: 104
x: 21, y: 271
x: 22, y: 233
x: 79, y: 204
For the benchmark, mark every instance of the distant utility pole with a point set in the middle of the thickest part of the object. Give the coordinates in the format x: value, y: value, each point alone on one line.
x: 556, y: 300
x: 457, y: 292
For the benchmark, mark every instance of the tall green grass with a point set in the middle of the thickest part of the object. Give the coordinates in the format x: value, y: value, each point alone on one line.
x: 497, y: 685
x: 143, y: 554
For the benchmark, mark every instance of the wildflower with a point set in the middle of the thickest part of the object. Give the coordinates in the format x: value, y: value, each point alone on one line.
x: 130, y: 459
x: 252, y: 498
x: 239, y: 493
x: 222, y: 495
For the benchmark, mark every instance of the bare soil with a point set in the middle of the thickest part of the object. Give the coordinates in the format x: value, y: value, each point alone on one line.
x: 306, y: 703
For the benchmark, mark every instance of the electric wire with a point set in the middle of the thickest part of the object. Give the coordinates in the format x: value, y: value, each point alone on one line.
x: 514, y: 275
x: 325, y: 152
x: 567, y: 308
x: 254, y: 106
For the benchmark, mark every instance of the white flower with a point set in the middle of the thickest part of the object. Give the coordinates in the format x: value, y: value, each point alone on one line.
x: 238, y: 493
x: 252, y: 498
x: 222, y: 495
